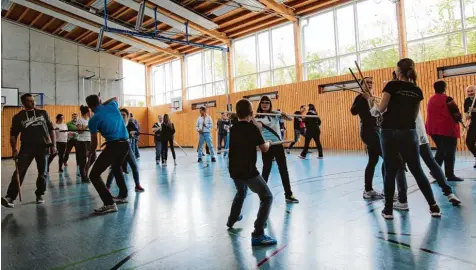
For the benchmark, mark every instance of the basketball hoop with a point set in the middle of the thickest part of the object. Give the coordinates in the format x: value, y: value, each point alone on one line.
x: 176, y: 105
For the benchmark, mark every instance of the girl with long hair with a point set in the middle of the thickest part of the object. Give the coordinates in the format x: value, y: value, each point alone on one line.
x: 271, y: 130
x: 167, y: 136
x: 400, y: 105
x: 313, y: 131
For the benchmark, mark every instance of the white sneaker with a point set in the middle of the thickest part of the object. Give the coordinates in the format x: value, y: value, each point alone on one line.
x: 106, y: 209
x: 453, y: 199
x: 400, y: 206
x: 395, y: 196
x: 372, y: 194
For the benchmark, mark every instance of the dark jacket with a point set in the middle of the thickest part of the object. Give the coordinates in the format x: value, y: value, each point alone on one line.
x: 312, y: 124
x: 168, y: 132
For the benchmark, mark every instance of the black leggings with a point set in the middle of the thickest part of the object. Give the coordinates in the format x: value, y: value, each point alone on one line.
x: 471, y: 139
x: 82, y: 153
x: 277, y: 152
x: 165, y: 149
x: 316, y: 137
x: 61, y: 147
x: 371, y: 139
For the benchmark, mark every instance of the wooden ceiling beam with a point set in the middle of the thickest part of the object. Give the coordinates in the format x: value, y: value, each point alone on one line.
x: 246, y: 23
x: 154, y: 58
x: 36, y: 19
x: 280, y: 9
x: 12, y: 7
x: 158, y: 62
x: 59, y: 28
x: 118, y: 46
x: 23, y: 14
x: 48, y: 24
x: 257, y: 27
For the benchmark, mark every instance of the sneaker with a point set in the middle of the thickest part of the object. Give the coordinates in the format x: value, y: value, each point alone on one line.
x: 175, y: 162
x: 120, y: 200
x: 39, y: 199
x: 395, y: 196
x: 230, y: 224
x: 372, y: 194
x: 157, y: 162
x: 435, y: 211
x: 139, y: 188
x: 61, y: 170
x: 85, y: 180
x: 199, y: 160
x: 453, y: 199
x: 213, y: 159
x: 292, y: 199
x: 474, y: 165
x: 387, y: 214
x: 288, y: 151
x: 401, y: 206
x: 262, y: 240
x: 66, y: 164
x: 320, y: 157
x: 301, y: 157
x: 454, y: 178
x: 7, y: 202
x: 106, y: 209
x: 164, y: 164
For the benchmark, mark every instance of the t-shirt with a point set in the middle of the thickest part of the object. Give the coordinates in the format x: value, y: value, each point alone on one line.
x: 244, y: 137
x: 271, y: 127
x: 34, y: 126
x: 84, y: 136
x: 157, y: 133
x: 132, y: 127
x: 221, y: 124
x: 61, y: 136
x: 403, y: 106
x: 361, y: 107
x: 108, y: 120
x: 467, y: 104
x: 298, y: 121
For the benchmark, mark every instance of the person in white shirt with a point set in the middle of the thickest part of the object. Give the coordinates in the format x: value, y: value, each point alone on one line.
x: 204, y: 126
x: 84, y: 141
x: 61, y: 141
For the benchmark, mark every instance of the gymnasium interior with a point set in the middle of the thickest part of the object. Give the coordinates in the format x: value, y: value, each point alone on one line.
x: 176, y: 56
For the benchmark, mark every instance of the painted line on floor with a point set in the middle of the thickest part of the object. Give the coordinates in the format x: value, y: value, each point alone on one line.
x: 394, y: 233
x: 427, y: 251
x: 265, y: 260
x: 126, y: 259
x: 90, y: 259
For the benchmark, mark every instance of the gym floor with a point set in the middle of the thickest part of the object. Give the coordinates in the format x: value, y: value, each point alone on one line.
x: 179, y: 221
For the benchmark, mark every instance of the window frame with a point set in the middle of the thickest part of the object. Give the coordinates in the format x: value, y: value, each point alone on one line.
x: 169, y: 80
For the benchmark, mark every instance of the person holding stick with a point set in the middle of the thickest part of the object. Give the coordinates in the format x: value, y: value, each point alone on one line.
x: 167, y: 137
x: 204, y: 126
x: 299, y: 127
x: 245, y: 136
x: 38, y: 141
x: 313, y: 131
x: 400, y: 106
x: 61, y: 141
x: 108, y: 121
x: 470, y: 115
x: 130, y: 157
x: 269, y: 125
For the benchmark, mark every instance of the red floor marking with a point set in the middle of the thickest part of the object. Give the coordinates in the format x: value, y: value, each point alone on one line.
x: 272, y: 254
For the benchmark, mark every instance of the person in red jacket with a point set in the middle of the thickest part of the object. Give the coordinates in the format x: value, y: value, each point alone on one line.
x: 443, y: 127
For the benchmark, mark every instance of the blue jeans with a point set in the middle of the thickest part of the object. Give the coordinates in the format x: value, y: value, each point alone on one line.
x: 227, y: 143
x: 131, y: 160
x: 207, y: 138
x: 135, y: 146
x: 221, y: 139
x: 258, y: 186
x: 405, y: 143
x: 435, y: 169
x: 158, y: 150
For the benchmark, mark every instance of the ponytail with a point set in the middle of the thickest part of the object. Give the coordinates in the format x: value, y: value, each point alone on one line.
x: 406, y: 68
x: 412, y: 75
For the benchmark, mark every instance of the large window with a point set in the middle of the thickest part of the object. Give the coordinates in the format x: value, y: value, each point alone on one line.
x: 206, y: 74
x: 363, y: 31
x: 440, y: 28
x: 166, y: 82
x: 265, y: 59
x: 133, y: 84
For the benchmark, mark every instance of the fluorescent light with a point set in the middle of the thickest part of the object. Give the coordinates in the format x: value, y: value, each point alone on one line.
x: 68, y: 27
x: 140, y: 15
x: 6, y: 4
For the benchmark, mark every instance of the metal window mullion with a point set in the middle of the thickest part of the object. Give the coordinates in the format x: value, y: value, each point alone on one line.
x: 356, y: 33
x: 270, y: 55
x: 463, y: 27
x: 258, y: 66
x: 336, y: 40
x: 213, y: 72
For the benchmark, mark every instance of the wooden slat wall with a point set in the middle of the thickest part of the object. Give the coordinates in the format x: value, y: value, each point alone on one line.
x: 8, y: 112
x: 340, y: 130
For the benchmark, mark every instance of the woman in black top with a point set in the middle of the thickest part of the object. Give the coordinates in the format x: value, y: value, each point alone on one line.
x: 313, y: 131
x: 400, y: 105
x: 167, y: 136
x: 299, y: 127
x: 469, y: 106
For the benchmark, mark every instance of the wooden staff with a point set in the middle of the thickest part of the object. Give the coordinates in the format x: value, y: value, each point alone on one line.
x: 465, y: 127
x: 352, y: 90
x: 17, y: 176
x: 271, y: 144
x: 278, y: 114
x: 180, y: 148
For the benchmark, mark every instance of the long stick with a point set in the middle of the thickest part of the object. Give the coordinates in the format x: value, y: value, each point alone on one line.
x: 17, y: 174
x: 276, y: 114
x: 272, y: 143
x: 468, y: 121
x: 180, y: 147
x: 352, y: 90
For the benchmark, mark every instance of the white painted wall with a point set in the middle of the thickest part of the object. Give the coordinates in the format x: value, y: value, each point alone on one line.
x: 36, y: 62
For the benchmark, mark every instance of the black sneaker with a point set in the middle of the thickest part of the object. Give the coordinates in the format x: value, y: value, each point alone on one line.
x: 7, y: 202
x: 85, y: 180
x: 39, y: 199
x: 454, y: 178
x: 435, y: 211
x: 199, y: 160
x: 387, y: 214
x: 292, y: 199
x: 230, y: 224
x: 119, y: 200
x: 213, y: 159
x: 61, y: 170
